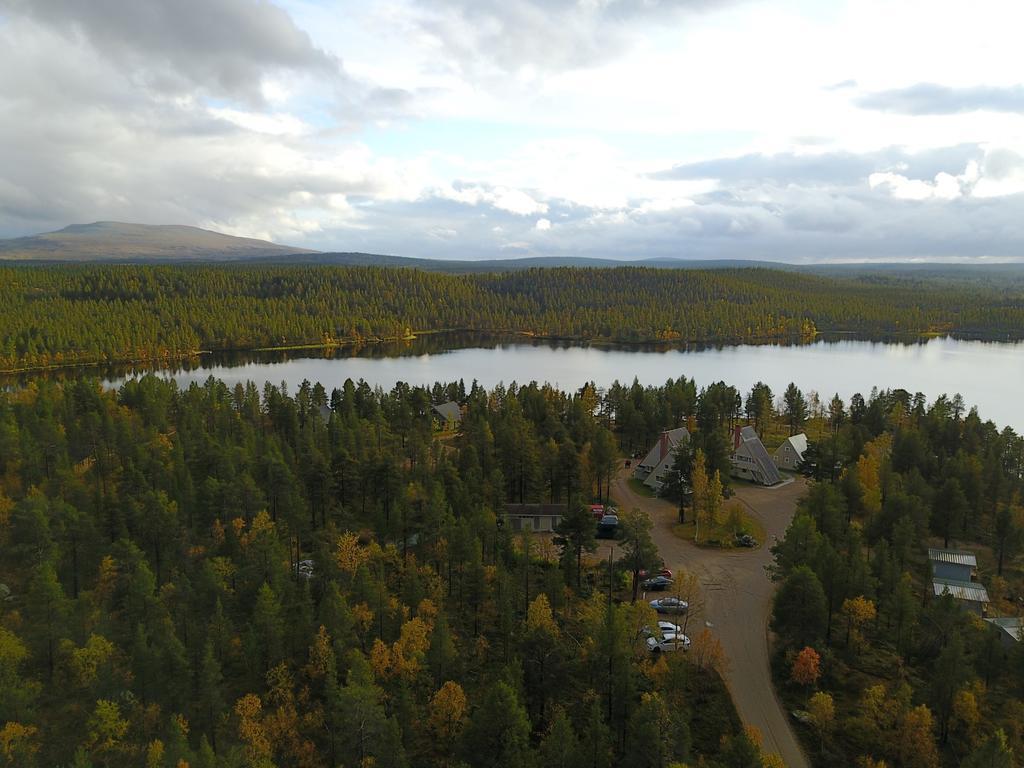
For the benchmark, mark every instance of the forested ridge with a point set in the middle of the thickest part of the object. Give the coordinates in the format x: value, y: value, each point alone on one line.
x: 65, y: 314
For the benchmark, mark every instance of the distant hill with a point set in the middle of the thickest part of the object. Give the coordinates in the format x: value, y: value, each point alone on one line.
x: 456, y: 266
x: 117, y: 241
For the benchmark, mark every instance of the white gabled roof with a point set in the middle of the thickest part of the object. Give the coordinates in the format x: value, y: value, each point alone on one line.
x: 798, y: 442
x: 953, y: 557
x: 654, y: 457
x: 654, y: 480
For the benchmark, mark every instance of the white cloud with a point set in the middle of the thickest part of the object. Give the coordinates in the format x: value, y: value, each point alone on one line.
x: 689, y: 127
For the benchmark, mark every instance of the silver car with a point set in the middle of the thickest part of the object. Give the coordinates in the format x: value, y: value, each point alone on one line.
x: 670, y: 605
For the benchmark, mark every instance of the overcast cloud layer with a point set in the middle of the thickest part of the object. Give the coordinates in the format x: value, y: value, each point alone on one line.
x: 787, y: 130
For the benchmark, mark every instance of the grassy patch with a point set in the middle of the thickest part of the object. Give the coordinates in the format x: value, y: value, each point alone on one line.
x: 721, y: 536
x: 640, y: 489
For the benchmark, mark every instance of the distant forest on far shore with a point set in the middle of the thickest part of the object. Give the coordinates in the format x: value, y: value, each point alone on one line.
x: 62, y: 314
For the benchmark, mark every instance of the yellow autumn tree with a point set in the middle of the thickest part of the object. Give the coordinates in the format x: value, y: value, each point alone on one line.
x: 708, y: 653
x: 822, y: 710
x: 707, y: 496
x: 321, y: 654
x: 966, y: 719
x: 349, y: 554
x: 407, y: 652
x: 106, y: 729
x: 869, y: 474
x: 18, y: 743
x: 915, y: 741
x: 84, y: 663
x: 447, y: 715
x: 859, y: 611
x: 250, y: 729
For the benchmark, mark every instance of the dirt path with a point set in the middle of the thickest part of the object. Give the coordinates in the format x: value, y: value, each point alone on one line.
x: 737, y: 601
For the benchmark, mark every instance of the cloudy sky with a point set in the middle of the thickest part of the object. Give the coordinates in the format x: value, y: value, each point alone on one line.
x: 796, y: 130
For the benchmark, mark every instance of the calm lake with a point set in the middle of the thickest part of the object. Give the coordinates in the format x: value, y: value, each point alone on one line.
x: 989, y: 375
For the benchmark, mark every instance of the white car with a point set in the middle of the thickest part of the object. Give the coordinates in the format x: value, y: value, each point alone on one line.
x: 663, y: 628
x: 670, y: 641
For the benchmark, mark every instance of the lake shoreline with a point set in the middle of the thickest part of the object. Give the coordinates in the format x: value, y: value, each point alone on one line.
x: 497, y: 336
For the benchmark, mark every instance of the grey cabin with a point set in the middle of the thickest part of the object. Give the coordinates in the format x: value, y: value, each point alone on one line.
x: 791, y: 453
x: 652, y: 469
x: 750, y: 459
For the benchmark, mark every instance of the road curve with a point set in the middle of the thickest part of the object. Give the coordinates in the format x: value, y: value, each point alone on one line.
x: 737, y: 602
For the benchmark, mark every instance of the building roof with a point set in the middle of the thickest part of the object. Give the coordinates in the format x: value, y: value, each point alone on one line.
x: 1011, y: 625
x: 325, y: 412
x: 449, y: 411
x: 654, y: 479
x: 953, y: 556
x: 668, y: 440
x: 961, y: 590
x: 798, y: 442
x: 534, y: 509
x: 748, y: 439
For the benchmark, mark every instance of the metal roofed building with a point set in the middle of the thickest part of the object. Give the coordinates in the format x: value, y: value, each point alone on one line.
x: 953, y: 564
x: 972, y: 596
x: 1009, y: 629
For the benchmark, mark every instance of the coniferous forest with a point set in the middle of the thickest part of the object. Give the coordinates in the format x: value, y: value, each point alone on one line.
x: 58, y: 315
x: 233, y: 577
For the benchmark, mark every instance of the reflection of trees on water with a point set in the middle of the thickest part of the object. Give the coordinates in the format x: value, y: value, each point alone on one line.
x: 424, y: 344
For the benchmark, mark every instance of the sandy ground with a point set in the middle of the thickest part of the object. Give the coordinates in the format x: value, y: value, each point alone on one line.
x: 737, y: 601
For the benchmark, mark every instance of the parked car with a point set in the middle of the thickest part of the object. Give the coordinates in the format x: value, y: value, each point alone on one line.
x: 660, y: 572
x: 664, y: 628
x: 608, y: 528
x: 745, y: 540
x: 670, y: 605
x: 657, y: 584
x: 670, y: 641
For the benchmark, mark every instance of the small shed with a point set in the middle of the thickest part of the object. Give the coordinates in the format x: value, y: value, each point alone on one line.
x: 972, y: 596
x: 791, y: 453
x: 953, y: 564
x: 1009, y: 629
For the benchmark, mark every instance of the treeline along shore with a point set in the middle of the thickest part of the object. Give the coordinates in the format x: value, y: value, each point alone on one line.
x: 57, y: 315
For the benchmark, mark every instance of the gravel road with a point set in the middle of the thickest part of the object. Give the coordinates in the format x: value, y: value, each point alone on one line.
x: 737, y: 601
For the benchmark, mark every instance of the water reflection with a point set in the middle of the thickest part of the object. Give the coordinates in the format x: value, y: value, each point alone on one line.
x: 987, y: 374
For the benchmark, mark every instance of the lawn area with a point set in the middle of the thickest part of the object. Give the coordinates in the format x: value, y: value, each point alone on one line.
x: 722, y: 535
x: 640, y: 489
